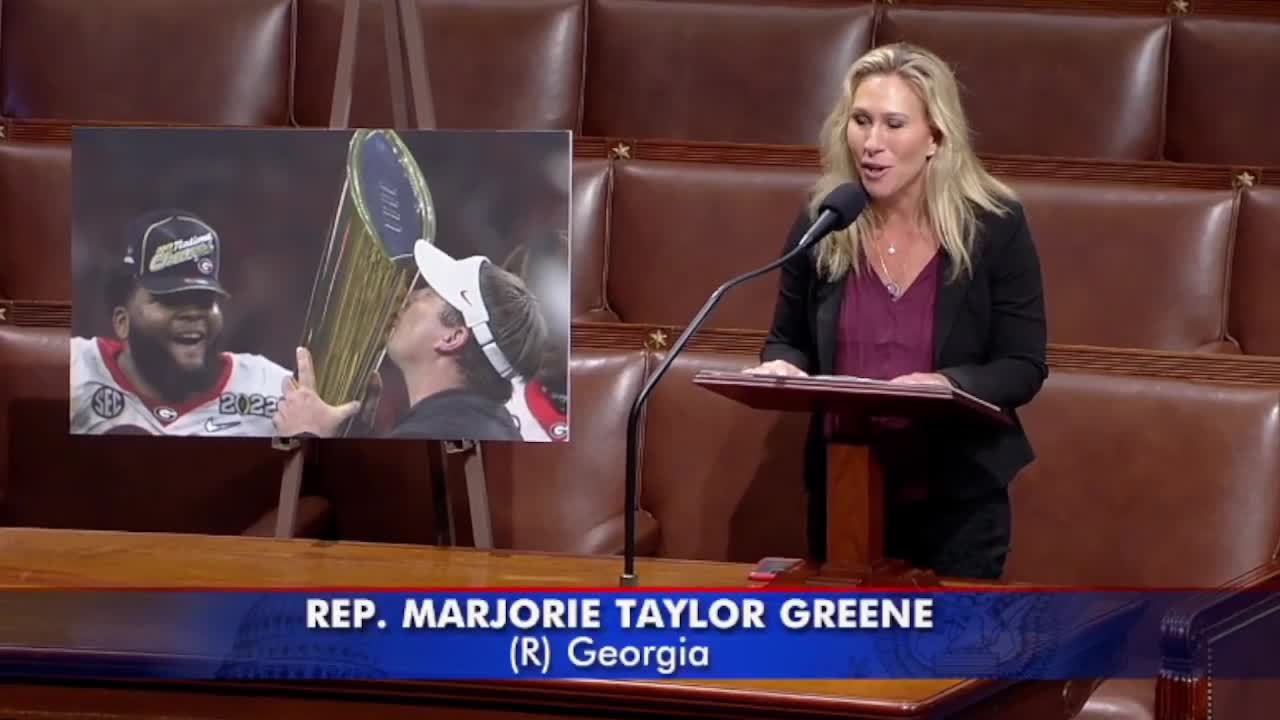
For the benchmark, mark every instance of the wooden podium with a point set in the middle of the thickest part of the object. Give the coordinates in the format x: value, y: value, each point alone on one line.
x: 855, y: 483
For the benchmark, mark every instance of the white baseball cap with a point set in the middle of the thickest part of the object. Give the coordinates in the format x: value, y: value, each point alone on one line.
x: 457, y: 282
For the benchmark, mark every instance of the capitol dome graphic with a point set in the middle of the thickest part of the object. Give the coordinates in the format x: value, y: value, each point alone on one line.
x: 273, y: 643
x: 983, y: 635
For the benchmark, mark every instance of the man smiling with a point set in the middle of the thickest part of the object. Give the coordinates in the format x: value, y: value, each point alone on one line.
x: 162, y: 372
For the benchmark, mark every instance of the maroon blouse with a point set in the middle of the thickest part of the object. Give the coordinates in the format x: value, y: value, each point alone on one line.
x: 880, y: 337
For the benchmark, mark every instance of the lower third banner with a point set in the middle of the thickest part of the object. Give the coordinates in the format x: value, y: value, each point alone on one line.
x: 502, y: 634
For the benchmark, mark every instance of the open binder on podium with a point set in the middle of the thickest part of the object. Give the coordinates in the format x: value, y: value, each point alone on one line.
x: 855, y: 484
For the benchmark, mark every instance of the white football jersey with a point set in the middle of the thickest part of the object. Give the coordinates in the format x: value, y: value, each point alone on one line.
x: 537, y: 418
x: 104, y: 402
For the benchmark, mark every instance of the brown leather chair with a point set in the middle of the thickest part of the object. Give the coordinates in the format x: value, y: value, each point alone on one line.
x: 592, y: 186
x: 493, y: 63
x: 198, y: 61
x: 724, y: 480
x: 1254, y: 321
x: 680, y: 229
x: 764, y: 72
x: 1218, y: 110
x: 1056, y: 84
x: 35, y: 221
x: 50, y: 478
x: 1146, y: 482
x: 1130, y: 265
x: 568, y: 497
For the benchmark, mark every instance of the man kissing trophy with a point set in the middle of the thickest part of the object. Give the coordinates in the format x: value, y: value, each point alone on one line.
x: 367, y: 268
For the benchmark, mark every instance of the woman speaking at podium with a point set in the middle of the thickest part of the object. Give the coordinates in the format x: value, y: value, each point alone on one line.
x: 938, y: 281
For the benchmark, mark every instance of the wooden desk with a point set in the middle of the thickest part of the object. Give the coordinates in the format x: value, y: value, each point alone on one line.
x: 32, y: 559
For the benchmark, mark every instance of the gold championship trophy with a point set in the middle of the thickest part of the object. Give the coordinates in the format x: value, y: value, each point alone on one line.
x: 367, y: 268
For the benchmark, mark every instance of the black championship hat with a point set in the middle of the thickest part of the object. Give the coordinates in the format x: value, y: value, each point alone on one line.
x: 171, y: 251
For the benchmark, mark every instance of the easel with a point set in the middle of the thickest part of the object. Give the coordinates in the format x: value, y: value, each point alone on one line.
x: 402, y: 31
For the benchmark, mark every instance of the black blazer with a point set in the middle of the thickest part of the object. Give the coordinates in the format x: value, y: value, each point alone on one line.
x: 989, y: 340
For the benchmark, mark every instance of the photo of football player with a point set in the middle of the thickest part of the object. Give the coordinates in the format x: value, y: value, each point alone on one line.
x: 469, y: 332
x: 162, y: 371
x: 540, y: 404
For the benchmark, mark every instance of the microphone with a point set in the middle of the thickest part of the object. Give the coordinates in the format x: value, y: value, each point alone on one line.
x: 838, y: 210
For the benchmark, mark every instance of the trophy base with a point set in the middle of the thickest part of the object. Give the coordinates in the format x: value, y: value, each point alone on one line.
x: 885, y: 573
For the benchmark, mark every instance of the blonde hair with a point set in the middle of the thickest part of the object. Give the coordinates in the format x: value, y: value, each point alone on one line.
x: 955, y: 181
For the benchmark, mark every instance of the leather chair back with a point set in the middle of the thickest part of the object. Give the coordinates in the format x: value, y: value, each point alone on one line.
x: 35, y: 221
x: 1255, y: 323
x: 1129, y: 265
x: 749, y: 72
x: 589, y: 231
x: 1216, y: 111
x: 217, y: 62
x: 1049, y: 83
x: 508, y: 64
x: 1147, y: 482
x: 678, y: 230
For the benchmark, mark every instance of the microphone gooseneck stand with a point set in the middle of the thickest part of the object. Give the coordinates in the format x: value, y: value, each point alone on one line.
x: 829, y: 219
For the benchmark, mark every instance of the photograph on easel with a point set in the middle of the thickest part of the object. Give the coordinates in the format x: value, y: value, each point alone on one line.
x: 321, y: 283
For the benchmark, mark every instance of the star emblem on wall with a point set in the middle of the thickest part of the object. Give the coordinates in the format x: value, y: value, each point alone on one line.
x: 657, y: 340
x: 621, y: 151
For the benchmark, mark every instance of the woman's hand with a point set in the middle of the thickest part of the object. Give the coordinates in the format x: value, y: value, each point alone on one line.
x: 776, y: 367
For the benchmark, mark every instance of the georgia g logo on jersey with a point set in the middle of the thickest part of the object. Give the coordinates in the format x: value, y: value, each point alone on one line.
x: 107, y: 402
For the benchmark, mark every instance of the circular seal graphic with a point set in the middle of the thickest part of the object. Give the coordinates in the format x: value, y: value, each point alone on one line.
x: 166, y: 413
x: 107, y: 402
x: 976, y: 635
x: 205, y: 265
